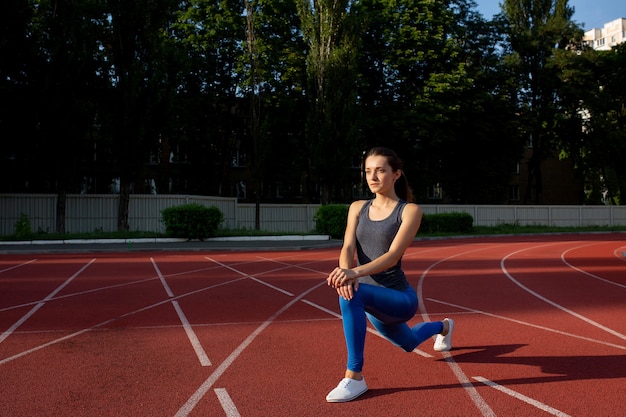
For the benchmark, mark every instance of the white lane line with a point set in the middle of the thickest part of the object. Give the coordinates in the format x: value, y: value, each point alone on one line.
x: 524, y: 323
x: 589, y: 274
x: 113, y: 320
x: 50, y: 343
x: 552, y: 303
x: 107, y: 287
x: 191, y: 334
x: 465, y: 382
x: 227, y: 403
x: 197, y: 396
x: 252, y: 277
x: 33, y: 310
x: 168, y: 291
x: 521, y: 397
x: 17, y: 266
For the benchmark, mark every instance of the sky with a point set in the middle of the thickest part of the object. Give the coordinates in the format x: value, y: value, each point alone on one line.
x: 588, y: 13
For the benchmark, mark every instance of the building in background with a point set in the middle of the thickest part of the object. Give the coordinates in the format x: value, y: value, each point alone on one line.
x: 611, y: 34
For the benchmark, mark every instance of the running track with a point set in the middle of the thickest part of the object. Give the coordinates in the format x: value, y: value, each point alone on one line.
x: 540, y: 331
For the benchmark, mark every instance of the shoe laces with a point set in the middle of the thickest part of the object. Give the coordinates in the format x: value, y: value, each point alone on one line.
x: 345, y: 382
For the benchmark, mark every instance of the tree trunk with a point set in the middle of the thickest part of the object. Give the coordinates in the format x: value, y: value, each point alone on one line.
x: 60, y: 214
x: 257, y: 211
x: 122, y: 213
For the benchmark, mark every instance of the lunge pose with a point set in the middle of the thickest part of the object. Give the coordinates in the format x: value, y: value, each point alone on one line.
x: 378, y: 231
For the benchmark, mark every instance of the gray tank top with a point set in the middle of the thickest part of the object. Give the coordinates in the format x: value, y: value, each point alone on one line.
x: 373, y: 239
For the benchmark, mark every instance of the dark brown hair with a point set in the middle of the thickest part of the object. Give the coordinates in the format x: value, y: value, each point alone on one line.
x: 401, y: 186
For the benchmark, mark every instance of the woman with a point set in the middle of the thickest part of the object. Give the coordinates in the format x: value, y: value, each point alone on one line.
x: 378, y: 231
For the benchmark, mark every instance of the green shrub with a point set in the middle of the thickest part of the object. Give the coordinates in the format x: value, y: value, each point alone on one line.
x: 331, y: 220
x: 447, y: 223
x: 23, y: 229
x: 192, y: 221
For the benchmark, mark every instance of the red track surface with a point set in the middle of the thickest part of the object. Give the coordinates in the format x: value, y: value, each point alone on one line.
x: 540, y: 330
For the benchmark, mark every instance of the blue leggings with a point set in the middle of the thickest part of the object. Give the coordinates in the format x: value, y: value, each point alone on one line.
x: 388, y: 310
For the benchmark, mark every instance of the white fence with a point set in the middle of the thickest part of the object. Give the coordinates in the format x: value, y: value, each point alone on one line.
x: 537, y: 215
x: 98, y: 212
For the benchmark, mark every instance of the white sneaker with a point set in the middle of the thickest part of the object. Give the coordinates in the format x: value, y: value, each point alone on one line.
x: 444, y: 343
x: 347, y: 390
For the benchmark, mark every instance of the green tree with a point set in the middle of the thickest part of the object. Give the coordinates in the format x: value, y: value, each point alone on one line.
x: 212, y: 130
x: 202, y: 95
x: 18, y: 57
x: 135, y: 51
x: 594, y: 120
x: 64, y: 76
x: 329, y: 29
x: 613, y: 124
x: 282, y: 66
x: 431, y: 87
x: 536, y: 29
x: 254, y: 80
x: 482, y: 144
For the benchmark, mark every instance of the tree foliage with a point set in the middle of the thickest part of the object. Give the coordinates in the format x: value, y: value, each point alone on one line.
x: 329, y: 30
x: 594, y: 120
x: 272, y: 100
x: 536, y: 30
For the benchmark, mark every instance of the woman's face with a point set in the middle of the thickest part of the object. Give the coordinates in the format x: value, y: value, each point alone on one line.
x: 379, y: 174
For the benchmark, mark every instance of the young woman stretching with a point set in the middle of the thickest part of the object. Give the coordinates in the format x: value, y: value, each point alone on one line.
x: 378, y: 231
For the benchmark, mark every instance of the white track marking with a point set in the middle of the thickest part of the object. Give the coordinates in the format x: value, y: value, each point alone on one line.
x: 33, y: 310
x: 619, y: 253
x: 324, y: 309
x: 250, y: 276
x: 527, y: 400
x: 104, y: 323
x: 482, y: 405
x: 17, y: 266
x: 524, y: 323
x: 552, y: 303
x: 191, y: 334
x: 108, y: 287
x: 465, y: 382
x: 589, y: 274
x: 50, y: 343
x: 208, y: 383
x: 227, y: 403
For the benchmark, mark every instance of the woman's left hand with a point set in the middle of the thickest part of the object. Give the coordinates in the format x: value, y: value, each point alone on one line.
x: 344, y: 281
